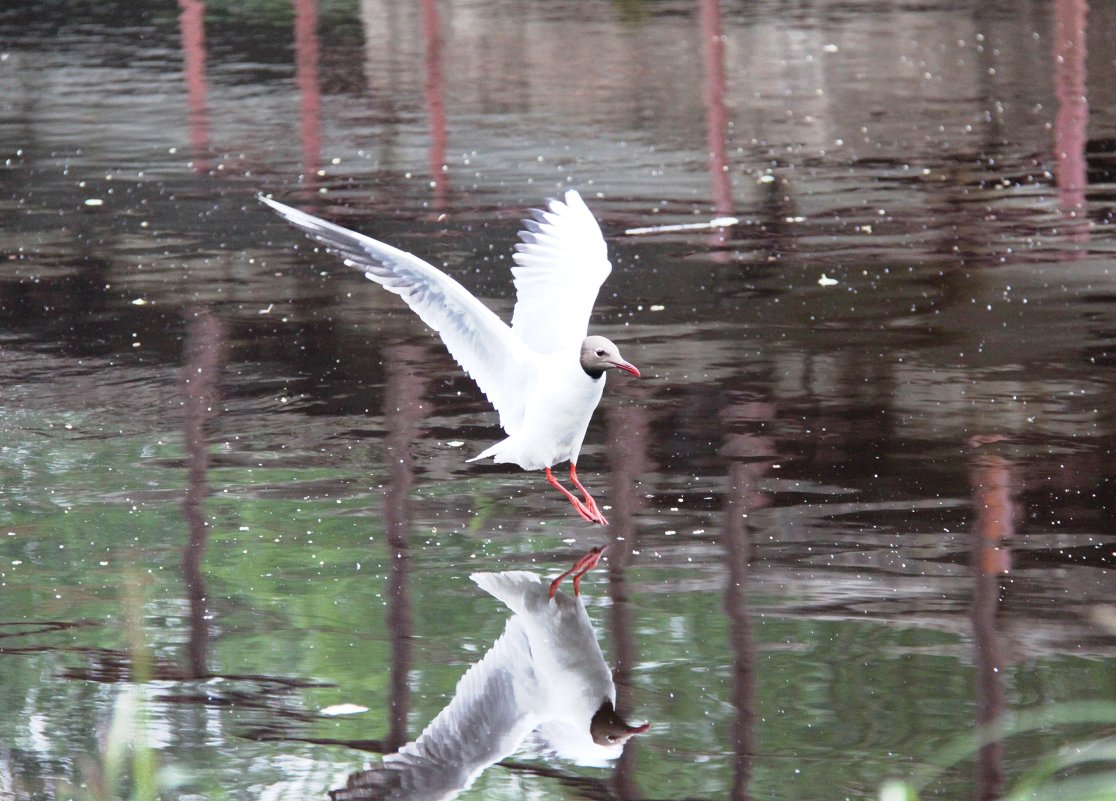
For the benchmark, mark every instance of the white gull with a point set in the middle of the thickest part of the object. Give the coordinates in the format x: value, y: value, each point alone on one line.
x: 543, y: 374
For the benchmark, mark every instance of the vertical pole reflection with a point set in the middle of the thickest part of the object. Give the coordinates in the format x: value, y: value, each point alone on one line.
x: 191, y: 24
x: 738, y: 547
x: 990, y: 479
x: 200, y: 375
x: 627, y: 435
x: 750, y: 457
x: 307, y: 51
x: 716, y: 115
x: 435, y: 104
x: 402, y: 413
x: 1071, y: 121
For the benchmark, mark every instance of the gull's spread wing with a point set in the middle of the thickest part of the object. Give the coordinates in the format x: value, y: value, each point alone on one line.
x: 482, y: 343
x: 486, y: 721
x: 560, y: 265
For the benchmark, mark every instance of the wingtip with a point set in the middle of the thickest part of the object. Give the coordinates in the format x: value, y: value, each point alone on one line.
x: 274, y: 205
x: 575, y: 201
x: 569, y: 205
x: 296, y: 217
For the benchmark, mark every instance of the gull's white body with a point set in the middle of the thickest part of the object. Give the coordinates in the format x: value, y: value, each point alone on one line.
x: 530, y: 371
x: 558, y: 406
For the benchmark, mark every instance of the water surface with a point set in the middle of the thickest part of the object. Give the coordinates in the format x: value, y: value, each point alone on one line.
x: 860, y: 500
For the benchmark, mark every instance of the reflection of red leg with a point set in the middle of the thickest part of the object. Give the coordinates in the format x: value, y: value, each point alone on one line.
x: 585, y: 564
x: 590, y: 504
x: 579, y: 569
x: 581, y: 508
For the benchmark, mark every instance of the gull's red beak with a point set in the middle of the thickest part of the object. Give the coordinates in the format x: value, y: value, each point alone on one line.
x: 626, y: 367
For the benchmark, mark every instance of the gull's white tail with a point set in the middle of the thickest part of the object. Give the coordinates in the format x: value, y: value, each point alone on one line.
x: 512, y: 587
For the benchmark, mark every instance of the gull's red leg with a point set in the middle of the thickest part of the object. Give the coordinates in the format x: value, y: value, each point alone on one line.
x: 590, y: 504
x: 579, y: 569
x: 577, y: 504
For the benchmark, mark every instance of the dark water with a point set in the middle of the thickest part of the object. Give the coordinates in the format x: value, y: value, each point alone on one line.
x: 861, y: 499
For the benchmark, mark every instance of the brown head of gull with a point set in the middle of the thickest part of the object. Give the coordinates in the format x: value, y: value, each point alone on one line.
x: 599, y: 354
x: 543, y: 374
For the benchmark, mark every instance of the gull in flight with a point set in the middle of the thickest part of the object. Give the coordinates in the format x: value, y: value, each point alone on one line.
x: 543, y: 373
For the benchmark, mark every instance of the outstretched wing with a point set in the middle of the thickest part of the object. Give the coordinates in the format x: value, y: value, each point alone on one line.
x: 482, y: 343
x: 561, y: 263
x: 486, y: 721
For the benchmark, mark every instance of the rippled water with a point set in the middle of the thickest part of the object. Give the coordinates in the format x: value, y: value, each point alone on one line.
x: 860, y: 500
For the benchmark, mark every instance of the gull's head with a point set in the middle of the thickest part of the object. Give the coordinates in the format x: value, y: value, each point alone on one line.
x: 599, y: 354
x: 609, y: 729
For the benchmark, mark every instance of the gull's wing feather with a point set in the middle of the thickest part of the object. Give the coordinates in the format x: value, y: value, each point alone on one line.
x: 486, y: 721
x: 560, y: 264
x: 482, y: 343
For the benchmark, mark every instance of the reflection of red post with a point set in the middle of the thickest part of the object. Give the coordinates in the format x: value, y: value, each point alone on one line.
x: 627, y: 435
x: 716, y: 116
x: 200, y: 375
x: 749, y: 457
x: 991, y: 480
x: 990, y: 477
x: 738, y: 554
x: 310, y: 95
x: 435, y: 105
x: 1071, y: 122
x: 402, y: 413
x: 191, y: 23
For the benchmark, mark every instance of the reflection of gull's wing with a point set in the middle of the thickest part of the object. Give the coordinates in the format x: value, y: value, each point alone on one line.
x: 484, y: 346
x: 485, y: 722
x: 560, y: 265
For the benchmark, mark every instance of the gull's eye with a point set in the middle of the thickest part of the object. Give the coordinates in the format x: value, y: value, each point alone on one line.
x: 600, y: 352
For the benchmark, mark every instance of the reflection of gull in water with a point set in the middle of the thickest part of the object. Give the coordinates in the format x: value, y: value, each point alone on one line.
x: 544, y: 683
